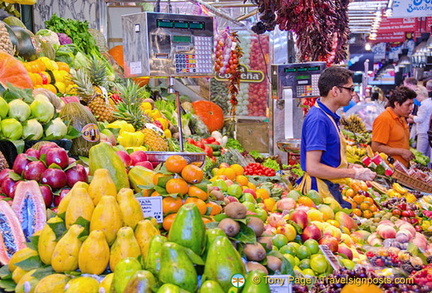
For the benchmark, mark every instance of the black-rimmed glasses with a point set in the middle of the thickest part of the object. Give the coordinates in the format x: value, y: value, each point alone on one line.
x: 351, y: 89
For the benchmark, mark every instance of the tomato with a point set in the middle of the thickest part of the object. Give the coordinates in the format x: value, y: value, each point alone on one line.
x: 199, y: 144
x: 190, y: 140
x: 211, y: 139
x: 208, y: 150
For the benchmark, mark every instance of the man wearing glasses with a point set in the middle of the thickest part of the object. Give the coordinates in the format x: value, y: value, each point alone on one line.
x: 323, y: 155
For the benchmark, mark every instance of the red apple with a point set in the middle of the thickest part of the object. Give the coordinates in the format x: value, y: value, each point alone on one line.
x: 346, y: 251
x: 311, y: 232
x: 62, y: 194
x: 4, y: 174
x: 32, y: 153
x: 251, y: 191
x: 46, y: 146
x: 138, y: 156
x: 57, y: 156
x: 9, y: 186
x: 55, y: 178
x: 34, y: 170
x: 124, y: 156
x: 47, y: 195
x: 75, y: 174
x: 20, y: 163
x: 299, y: 217
x: 145, y: 164
x: 331, y: 242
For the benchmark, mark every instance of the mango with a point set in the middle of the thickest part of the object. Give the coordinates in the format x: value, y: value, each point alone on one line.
x: 346, y: 221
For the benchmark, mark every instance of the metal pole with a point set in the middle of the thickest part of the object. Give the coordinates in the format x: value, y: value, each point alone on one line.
x: 171, y: 90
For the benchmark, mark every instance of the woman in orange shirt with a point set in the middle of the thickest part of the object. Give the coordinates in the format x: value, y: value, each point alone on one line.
x: 390, y: 131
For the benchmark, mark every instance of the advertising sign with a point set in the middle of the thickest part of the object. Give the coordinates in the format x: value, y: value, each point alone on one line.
x: 412, y: 8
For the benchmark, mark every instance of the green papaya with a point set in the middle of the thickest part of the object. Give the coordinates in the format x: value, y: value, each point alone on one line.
x: 125, y: 269
x: 177, y: 268
x: 141, y: 282
x: 211, y: 286
x: 170, y: 288
x: 152, y: 261
x: 103, y: 155
x: 251, y: 284
x: 211, y: 235
x: 223, y: 261
x: 188, y: 228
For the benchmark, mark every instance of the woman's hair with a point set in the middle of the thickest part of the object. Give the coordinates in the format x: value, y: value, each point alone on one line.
x: 374, y: 96
x: 401, y: 94
x: 333, y: 76
x: 422, y: 91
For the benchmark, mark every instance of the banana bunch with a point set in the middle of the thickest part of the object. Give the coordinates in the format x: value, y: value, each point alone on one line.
x: 354, y: 153
x: 398, y: 188
x: 22, y: 2
x: 353, y: 123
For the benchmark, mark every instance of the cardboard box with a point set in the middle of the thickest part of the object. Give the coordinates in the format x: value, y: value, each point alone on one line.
x: 254, y: 136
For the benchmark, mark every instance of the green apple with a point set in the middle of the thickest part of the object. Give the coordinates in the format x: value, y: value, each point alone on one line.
x: 235, y: 190
x: 221, y: 184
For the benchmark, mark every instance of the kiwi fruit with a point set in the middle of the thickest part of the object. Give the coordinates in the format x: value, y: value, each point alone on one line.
x: 254, y: 252
x: 274, y: 263
x: 252, y: 266
x: 229, y: 226
x: 257, y: 225
x: 235, y: 210
x: 266, y: 241
x: 217, y: 194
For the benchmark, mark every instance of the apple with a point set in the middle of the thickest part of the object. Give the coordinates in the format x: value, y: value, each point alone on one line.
x: 331, y: 242
x: 386, y: 231
x: 62, y: 194
x: 124, y: 156
x: 55, y: 178
x: 221, y: 184
x: 46, y: 146
x: 20, y: 163
x: 47, y: 195
x: 235, y: 190
x: 346, y: 251
x: 32, y: 153
x: 300, y: 217
x: 247, y: 197
x: 287, y: 204
x: 311, y: 232
x: 138, y: 156
x: 57, y: 156
x: 34, y: 170
x: 75, y: 174
x: 251, y: 191
x: 145, y: 164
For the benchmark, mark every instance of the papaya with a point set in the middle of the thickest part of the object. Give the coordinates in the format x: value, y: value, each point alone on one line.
x: 17, y: 274
x: 52, y: 283
x: 223, y: 261
x: 21, y: 255
x: 48, y: 239
x: 211, y: 235
x: 105, y: 284
x: 29, y: 206
x: 103, y: 155
x: 211, y: 286
x: 101, y: 184
x: 130, y: 208
x: 177, y: 268
x: 153, y: 257
x: 82, y: 285
x: 144, y: 232
x: 141, y: 282
x: 171, y: 288
x: 65, y: 200
x: 106, y: 217
x: 65, y: 254
x: 125, y: 269
x: 94, y: 254
x: 140, y: 176
x: 251, y: 284
x: 10, y: 226
x: 80, y: 205
x: 188, y: 228
x: 27, y: 283
x: 124, y: 246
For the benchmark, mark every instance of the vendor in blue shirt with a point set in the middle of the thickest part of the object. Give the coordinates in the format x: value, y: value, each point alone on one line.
x: 323, y: 147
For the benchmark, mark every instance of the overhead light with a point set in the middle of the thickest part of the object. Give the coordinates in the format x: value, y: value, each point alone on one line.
x: 388, y: 12
x: 372, y: 36
x: 368, y: 47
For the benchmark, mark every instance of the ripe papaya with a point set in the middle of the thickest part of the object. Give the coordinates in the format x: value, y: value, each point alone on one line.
x: 255, y: 283
x: 188, y: 228
x: 65, y: 254
x: 177, y: 268
x: 48, y: 238
x: 152, y: 259
x: 82, y: 284
x: 103, y: 155
x: 80, y: 205
x: 52, y: 283
x: 144, y: 233
x: 106, y: 283
x: 125, y: 269
x: 27, y: 283
x: 106, y: 217
x: 223, y: 261
x: 94, y: 254
x: 130, y: 208
x: 140, y: 176
x: 65, y: 200
x: 124, y: 246
x: 10, y: 226
x: 142, y: 281
x: 29, y: 206
x: 101, y: 184
x: 21, y: 255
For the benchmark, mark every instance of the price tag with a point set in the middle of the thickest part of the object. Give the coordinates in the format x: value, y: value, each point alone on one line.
x: 135, y: 67
x: 279, y: 283
x: 152, y: 207
x: 331, y: 258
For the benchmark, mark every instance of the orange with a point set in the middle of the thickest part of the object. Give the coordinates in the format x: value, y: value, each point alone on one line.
x: 262, y: 193
x: 177, y: 185
x: 201, y: 205
x: 168, y: 221
x: 215, y: 208
x: 229, y: 173
x: 349, y: 192
x: 155, y: 193
x: 367, y: 214
x: 364, y: 206
x: 251, y: 186
x: 358, y: 198
x: 242, y: 180
x: 239, y: 170
x: 357, y: 212
x: 373, y: 208
x: 159, y: 175
x: 355, y: 186
x: 353, y: 204
x: 369, y: 200
x: 175, y: 163
x: 363, y: 186
x: 192, y: 174
x: 198, y: 192
x: 306, y: 201
x: 171, y: 204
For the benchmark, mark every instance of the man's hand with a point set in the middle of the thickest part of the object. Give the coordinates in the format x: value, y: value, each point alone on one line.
x: 364, y: 174
x: 407, y: 155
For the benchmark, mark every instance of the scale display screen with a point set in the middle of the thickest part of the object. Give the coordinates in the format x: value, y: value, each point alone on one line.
x: 182, y: 39
x: 302, y: 77
x: 167, y: 23
x: 302, y: 69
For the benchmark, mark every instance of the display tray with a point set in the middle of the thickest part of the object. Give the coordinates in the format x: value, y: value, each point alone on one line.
x: 191, y: 158
x: 410, y: 182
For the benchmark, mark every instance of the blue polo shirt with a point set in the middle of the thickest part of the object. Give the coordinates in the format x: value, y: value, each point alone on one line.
x: 319, y: 134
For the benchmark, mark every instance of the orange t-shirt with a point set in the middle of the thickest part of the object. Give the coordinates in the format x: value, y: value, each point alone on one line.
x: 391, y: 130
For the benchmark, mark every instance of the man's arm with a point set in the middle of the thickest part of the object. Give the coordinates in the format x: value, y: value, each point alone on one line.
x: 382, y: 148
x: 316, y: 169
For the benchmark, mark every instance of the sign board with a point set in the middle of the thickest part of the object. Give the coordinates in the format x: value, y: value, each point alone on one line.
x: 152, y: 207
x: 331, y: 258
x: 412, y: 8
x: 280, y: 283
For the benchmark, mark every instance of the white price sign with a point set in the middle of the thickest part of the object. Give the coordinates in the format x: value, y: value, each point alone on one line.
x: 152, y: 207
x: 279, y: 283
x: 331, y: 258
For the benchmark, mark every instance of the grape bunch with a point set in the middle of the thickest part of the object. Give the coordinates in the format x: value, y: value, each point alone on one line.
x: 389, y: 260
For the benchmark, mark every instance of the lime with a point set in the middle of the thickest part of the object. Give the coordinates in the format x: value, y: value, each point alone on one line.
x: 313, y: 245
x: 303, y: 252
x: 308, y: 272
x: 279, y: 240
x: 295, y: 244
x: 297, y: 260
x: 305, y: 264
x: 319, y: 264
x: 249, y: 206
x: 291, y: 249
x: 290, y: 258
x: 262, y: 214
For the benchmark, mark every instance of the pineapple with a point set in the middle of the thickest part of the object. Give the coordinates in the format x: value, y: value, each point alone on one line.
x: 5, y: 42
x: 129, y: 108
x: 3, y: 163
x: 153, y: 141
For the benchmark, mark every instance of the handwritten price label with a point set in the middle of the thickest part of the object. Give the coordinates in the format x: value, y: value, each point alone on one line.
x: 152, y: 207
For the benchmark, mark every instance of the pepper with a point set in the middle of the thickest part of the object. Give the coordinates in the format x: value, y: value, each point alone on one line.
x: 131, y: 139
x: 123, y: 125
